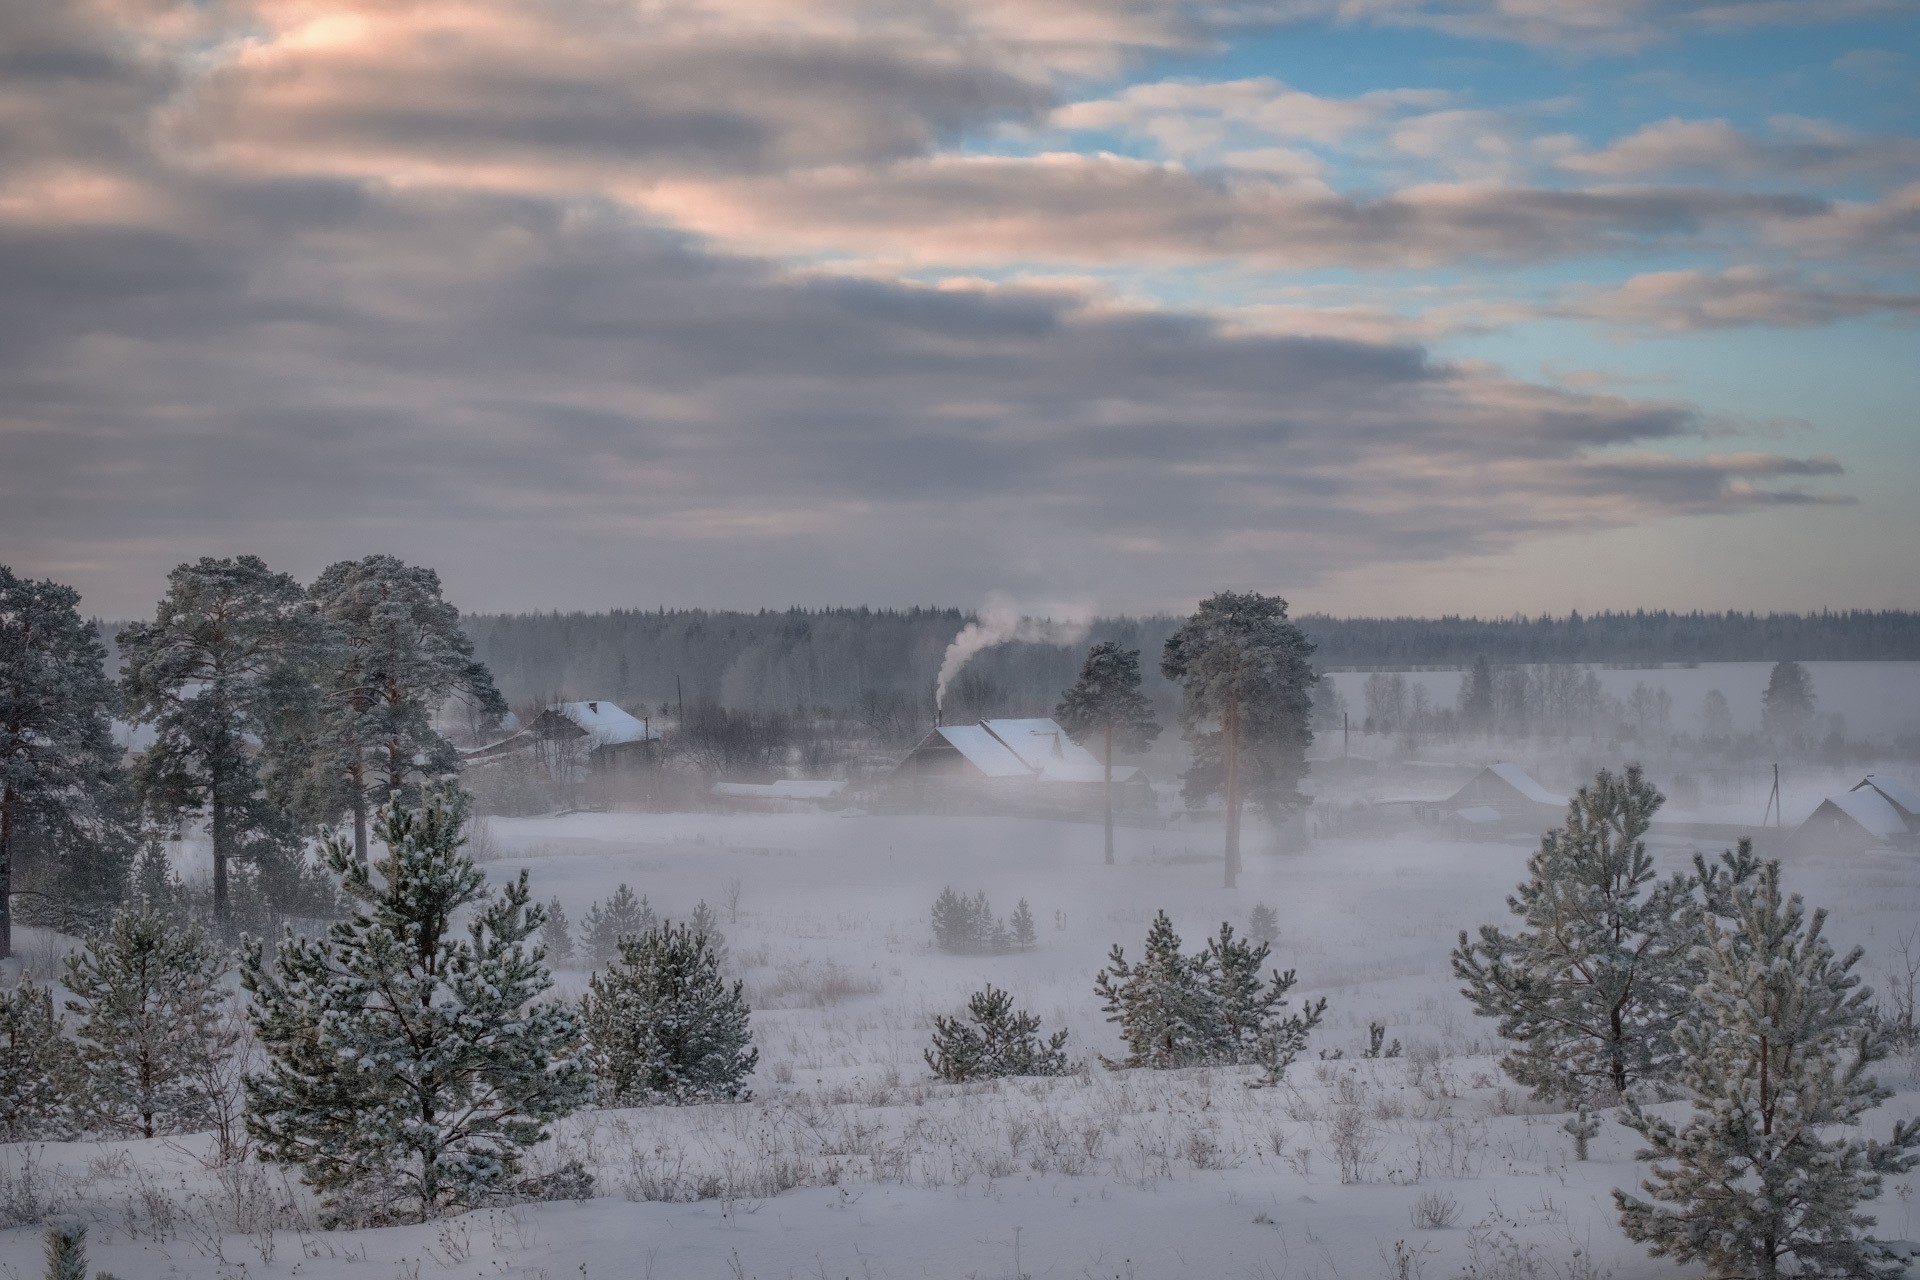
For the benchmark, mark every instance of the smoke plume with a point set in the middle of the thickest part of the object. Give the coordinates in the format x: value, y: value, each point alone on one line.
x: 1002, y: 621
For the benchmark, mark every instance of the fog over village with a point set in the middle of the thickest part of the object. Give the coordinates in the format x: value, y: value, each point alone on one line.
x: 883, y: 639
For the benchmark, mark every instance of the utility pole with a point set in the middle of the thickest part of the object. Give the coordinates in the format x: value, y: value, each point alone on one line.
x: 680, y: 701
x: 1343, y: 735
x: 1773, y: 802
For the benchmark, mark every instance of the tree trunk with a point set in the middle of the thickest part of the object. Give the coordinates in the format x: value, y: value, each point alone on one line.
x: 1230, y: 757
x: 358, y: 772
x: 218, y: 824
x: 1108, y: 794
x: 7, y: 804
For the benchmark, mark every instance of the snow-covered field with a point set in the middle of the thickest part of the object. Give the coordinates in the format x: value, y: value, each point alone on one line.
x: 850, y: 1161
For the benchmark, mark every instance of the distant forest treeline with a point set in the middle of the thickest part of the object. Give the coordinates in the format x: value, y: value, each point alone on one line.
x: 880, y: 660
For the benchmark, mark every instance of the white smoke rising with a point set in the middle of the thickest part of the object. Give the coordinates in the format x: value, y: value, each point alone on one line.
x: 1003, y: 621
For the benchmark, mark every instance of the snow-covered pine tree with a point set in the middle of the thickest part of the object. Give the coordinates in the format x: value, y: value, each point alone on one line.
x: 1105, y: 709
x: 398, y: 654
x: 994, y: 1040
x: 556, y: 937
x: 148, y: 1001
x: 1761, y: 1180
x: 664, y: 1026
x: 231, y: 655
x: 1247, y: 1022
x: 1263, y: 924
x: 58, y: 762
x: 36, y: 1067
x: 606, y: 924
x: 1164, y: 1005
x: 1591, y: 987
x: 1583, y: 1127
x: 407, y: 1067
x: 1247, y: 706
x: 1020, y: 926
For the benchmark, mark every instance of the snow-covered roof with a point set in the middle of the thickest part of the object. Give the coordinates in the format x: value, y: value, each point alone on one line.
x: 1520, y: 780
x: 605, y: 723
x: 984, y: 751
x: 1901, y: 791
x: 1872, y: 811
x: 786, y: 789
x: 1044, y: 747
x: 1478, y: 814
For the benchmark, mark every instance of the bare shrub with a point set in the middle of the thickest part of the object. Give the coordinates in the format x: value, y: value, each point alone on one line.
x: 1434, y: 1211
x: 1354, y: 1143
x: 813, y: 984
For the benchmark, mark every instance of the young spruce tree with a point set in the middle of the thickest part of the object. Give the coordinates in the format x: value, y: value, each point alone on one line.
x: 1763, y: 1180
x: 664, y: 1026
x: 1594, y: 984
x: 148, y: 1004
x: 408, y: 1067
x: 994, y: 1040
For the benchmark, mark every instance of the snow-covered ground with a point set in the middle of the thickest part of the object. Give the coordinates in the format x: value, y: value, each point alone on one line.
x: 850, y: 1161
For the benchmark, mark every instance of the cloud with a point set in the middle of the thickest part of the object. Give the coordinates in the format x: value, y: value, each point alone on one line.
x: 1798, y: 148
x: 1736, y: 296
x: 1191, y: 118
x: 553, y: 403
x: 1104, y: 208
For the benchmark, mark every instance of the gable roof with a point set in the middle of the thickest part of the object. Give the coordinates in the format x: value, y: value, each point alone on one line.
x: 605, y: 723
x: 1903, y: 794
x: 1871, y: 810
x: 984, y: 751
x: 1522, y: 781
x: 1044, y: 747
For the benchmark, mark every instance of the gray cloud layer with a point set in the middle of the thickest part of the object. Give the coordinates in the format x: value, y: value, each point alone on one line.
x: 306, y: 305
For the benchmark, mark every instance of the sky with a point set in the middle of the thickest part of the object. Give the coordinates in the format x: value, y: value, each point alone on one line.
x: 1389, y: 306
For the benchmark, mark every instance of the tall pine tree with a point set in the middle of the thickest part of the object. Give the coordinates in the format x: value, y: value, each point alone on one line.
x: 1105, y: 706
x: 148, y: 1004
x: 408, y: 1066
x: 398, y: 655
x: 59, y: 767
x: 230, y: 656
x: 1592, y: 986
x: 1766, y: 1177
x: 1242, y: 667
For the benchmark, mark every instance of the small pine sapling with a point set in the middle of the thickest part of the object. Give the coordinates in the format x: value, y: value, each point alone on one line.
x: 1377, y: 1046
x: 1163, y: 1004
x: 994, y: 1040
x: 556, y: 937
x: 151, y: 1030
x: 1583, y: 1127
x: 1213, y: 1007
x: 408, y: 1067
x: 37, y: 1067
x: 66, y: 1249
x: 1763, y: 1180
x: 664, y: 1026
x: 1591, y: 988
x: 606, y: 924
x: 704, y: 921
x: 1263, y: 924
x: 1025, y: 937
x: 965, y: 925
